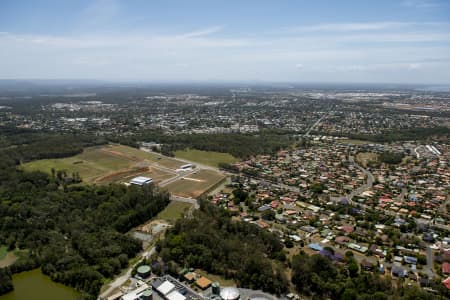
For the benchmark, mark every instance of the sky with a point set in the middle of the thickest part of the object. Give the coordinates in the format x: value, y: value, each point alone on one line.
x: 341, y: 41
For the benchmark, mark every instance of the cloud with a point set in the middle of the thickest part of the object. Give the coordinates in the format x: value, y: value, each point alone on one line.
x: 414, y: 66
x: 348, y: 27
x: 382, y: 67
x: 202, y: 32
x: 354, y: 51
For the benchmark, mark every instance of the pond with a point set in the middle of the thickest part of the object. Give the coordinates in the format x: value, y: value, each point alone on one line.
x: 35, y: 285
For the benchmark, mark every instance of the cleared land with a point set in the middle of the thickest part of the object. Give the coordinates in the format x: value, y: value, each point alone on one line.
x: 173, y: 211
x: 216, y: 278
x: 209, y: 158
x: 7, y: 258
x: 118, y: 163
x: 110, y: 163
x: 365, y: 157
x: 196, y: 184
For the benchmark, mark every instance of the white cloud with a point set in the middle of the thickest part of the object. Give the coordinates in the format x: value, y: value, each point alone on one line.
x: 202, y: 32
x: 414, y: 66
x: 347, y: 55
x: 346, y: 27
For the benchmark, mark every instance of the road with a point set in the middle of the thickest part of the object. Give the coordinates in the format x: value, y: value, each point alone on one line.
x: 186, y: 200
x: 417, y: 153
x: 430, y: 262
x: 314, y: 125
x: 179, y: 175
x: 364, y: 187
x: 119, y: 281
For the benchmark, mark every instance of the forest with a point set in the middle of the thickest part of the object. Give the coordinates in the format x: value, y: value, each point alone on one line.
x: 75, y: 233
x: 238, y: 145
x: 241, y: 251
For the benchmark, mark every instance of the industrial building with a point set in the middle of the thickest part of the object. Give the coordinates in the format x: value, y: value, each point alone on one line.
x: 143, y: 271
x: 144, y: 292
x: 169, y: 288
x: 141, y: 180
x: 230, y: 293
x: 186, y: 167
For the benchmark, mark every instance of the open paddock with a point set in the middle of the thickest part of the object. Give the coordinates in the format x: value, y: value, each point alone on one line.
x: 110, y: 163
x: 209, y: 158
x: 140, y: 155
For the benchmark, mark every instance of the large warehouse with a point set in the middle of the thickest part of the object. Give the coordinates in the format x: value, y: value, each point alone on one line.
x: 141, y: 180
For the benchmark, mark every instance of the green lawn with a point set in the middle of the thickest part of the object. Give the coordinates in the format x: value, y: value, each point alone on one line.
x: 209, y: 158
x: 3, y: 252
x: 173, y: 211
x: 92, y: 163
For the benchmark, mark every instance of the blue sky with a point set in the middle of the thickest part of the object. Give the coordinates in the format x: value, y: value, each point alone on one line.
x: 392, y: 41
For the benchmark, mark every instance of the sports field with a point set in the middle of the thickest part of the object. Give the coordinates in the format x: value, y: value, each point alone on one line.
x: 209, y: 158
x: 196, y: 184
x: 110, y: 163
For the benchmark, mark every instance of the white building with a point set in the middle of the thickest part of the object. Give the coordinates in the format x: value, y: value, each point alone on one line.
x: 141, y: 180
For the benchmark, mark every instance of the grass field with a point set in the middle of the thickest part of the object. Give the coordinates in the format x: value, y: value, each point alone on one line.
x: 173, y: 211
x: 110, y: 163
x: 3, y: 252
x: 196, y: 184
x: 209, y: 158
x: 216, y: 278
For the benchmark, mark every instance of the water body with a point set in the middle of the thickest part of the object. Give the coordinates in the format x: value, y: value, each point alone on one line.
x: 33, y: 285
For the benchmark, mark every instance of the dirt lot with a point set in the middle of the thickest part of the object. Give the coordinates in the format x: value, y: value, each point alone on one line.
x: 364, y: 157
x: 195, y: 184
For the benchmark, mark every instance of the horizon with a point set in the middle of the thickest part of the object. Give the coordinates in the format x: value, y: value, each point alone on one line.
x: 350, y: 42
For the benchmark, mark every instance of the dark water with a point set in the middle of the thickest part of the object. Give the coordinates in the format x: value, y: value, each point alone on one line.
x: 33, y: 285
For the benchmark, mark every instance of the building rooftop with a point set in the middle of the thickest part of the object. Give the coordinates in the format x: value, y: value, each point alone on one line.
x: 165, y: 287
x: 141, y: 180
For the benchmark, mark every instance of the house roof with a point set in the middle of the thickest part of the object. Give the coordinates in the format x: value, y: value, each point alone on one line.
x: 366, y: 264
x: 203, y: 282
x: 190, y: 276
x: 315, y: 246
x: 446, y: 282
x: 446, y: 268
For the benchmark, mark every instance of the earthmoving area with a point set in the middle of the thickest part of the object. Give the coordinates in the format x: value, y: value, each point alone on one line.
x: 119, y: 164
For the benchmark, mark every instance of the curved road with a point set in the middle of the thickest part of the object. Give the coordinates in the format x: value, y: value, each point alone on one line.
x: 119, y: 281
